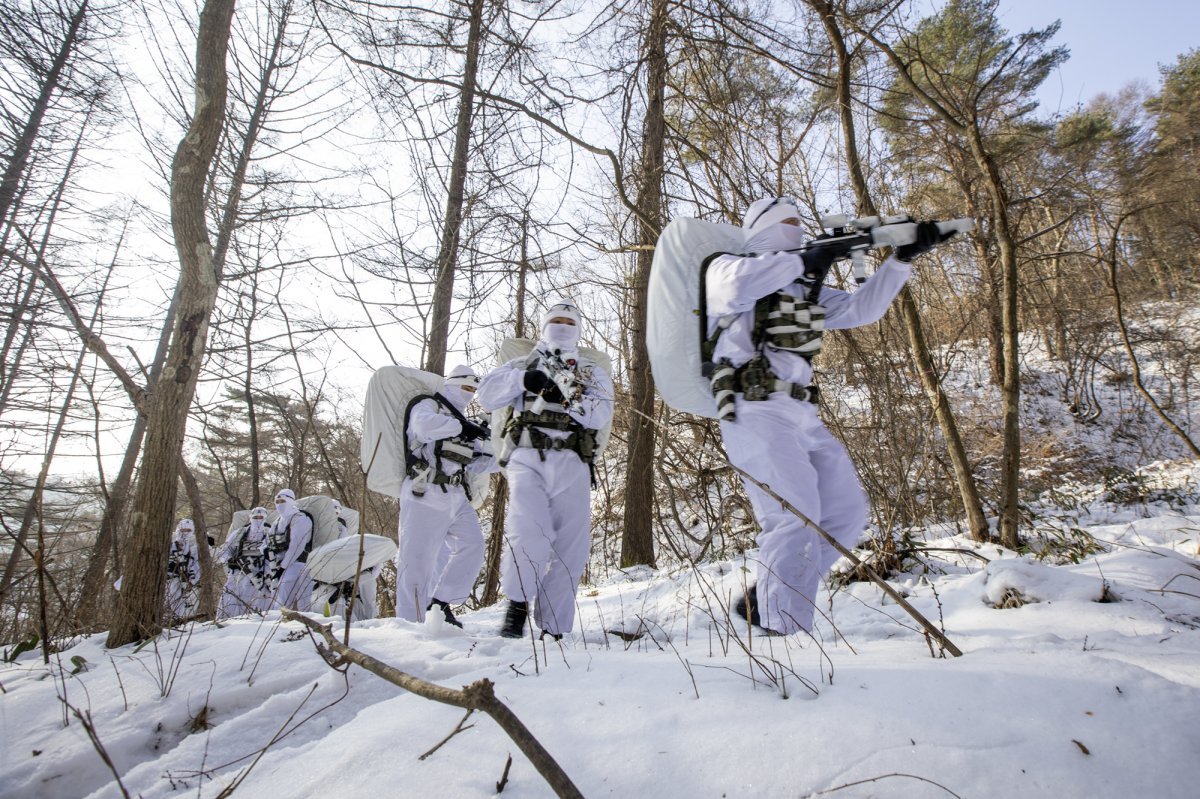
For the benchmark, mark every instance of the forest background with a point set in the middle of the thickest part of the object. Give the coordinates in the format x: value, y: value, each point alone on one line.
x: 215, y: 222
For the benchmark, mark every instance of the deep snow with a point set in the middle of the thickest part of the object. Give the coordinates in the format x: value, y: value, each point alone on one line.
x: 1058, y: 693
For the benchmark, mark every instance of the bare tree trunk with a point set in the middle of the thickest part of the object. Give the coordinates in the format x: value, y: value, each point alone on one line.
x: 637, y: 537
x: 966, y: 124
x: 29, y: 133
x: 957, y: 451
x: 139, y: 606
x: 107, y: 543
x: 495, y: 548
x: 443, y: 292
x: 1118, y: 309
x: 1010, y: 484
x: 208, y: 578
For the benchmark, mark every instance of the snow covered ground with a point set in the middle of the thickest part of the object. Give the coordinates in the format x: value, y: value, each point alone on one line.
x: 1077, y: 679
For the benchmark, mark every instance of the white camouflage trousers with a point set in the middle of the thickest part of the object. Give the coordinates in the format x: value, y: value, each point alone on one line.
x: 441, y: 549
x: 782, y: 442
x: 547, y: 534
x: 295, y: 588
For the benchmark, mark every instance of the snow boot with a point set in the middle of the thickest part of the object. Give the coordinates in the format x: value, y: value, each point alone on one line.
x: 554, y: 636
x: 446, y: 612
x: 746, y: 608
x: 514, y: 619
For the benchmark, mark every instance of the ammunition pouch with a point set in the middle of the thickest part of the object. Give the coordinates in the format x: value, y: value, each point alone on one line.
x: 527, y: 429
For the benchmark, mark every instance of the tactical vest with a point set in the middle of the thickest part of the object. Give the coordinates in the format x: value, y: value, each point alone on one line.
x: 179, y: 562
x: 454, y: 450
x: 784, y: 322
x: 792, y: 324
x: 527, y: 429
x: 243, y: 561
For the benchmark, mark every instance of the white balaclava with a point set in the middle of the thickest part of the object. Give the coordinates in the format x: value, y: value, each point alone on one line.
x: 765, y: 231
x: 185, y: 529
x: 459, y: 387
x: 285, y: 504
x: 558, y: 335
x: 258, y: 520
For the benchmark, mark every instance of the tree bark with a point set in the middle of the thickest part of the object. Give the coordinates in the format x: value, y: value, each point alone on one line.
x: 495, y: 547
x: 208, y: 581
x: 139, y: 606
x: 447, y: 258
x: 107, y: 543
x: 1010, y: 518
x: 637, y: 537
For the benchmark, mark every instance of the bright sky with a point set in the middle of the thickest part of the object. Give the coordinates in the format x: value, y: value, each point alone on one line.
x: 1112, y: 42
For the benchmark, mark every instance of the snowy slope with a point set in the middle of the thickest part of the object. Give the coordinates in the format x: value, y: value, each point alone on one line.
x: 1058, y: 694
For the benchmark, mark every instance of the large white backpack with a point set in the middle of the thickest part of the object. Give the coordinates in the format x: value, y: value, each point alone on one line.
x: 338, y: 560
x: 512, y: 349
x: 319, y: 507
x: 384, y: 446
x: 676, y: 316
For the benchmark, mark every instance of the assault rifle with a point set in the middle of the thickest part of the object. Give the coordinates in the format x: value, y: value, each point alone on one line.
x: 851, y: 238
x: 562, y: 373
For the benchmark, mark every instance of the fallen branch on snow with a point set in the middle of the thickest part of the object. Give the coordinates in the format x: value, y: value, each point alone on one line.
x: 478, y: 695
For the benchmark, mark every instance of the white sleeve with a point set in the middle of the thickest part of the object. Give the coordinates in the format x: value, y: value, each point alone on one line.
x: 870, y: 301
x: 595, y: 406
x: 300, y: 533
x: 735, y: 282
x: 426, y: 425
x: 502, y: 386
x: 231, y: 543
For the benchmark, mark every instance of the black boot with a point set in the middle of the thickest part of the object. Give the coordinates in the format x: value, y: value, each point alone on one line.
x: 514, y: 619
x: 446, y: 612
x: 545, y: 635
x: 746, y: 608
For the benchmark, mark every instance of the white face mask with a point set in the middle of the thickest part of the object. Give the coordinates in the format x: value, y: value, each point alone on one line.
x: 562, y: 336
x: 286, y: 508
x: 775, y: 238
x: 458, y: 395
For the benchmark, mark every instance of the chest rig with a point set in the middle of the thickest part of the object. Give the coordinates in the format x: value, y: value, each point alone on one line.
x: 247, y: 560
x: 782, y: 322
x: 528, y: 429
x: 454, y: 450
x: 179, y: 562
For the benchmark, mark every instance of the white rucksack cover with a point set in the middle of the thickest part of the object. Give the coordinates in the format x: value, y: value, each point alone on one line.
x: 241, y: 518
x: 318, y: 506
x: 514, y: 348
x: 675, y: 324
x: 337, y: 561
x: 384, y: 445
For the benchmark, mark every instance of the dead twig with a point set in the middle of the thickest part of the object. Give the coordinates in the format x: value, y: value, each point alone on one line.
x: 884, y: 777
x: 457, y: 729
x: 85, y: 719
x: 504, y: 777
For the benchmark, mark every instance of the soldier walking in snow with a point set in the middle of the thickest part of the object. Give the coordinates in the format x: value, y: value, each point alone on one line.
x: 559, y: 401
x: 767, y: 319
x: 183, y: 572
x: 243, y: 558
x: 441, y: 542
x: 289, y: 546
